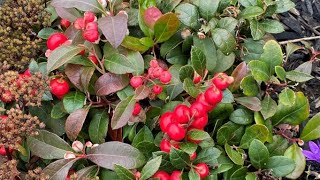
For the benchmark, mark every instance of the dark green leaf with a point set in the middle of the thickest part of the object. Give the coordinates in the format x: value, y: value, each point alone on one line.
x: 108, y: 154
x: 58, y: 111
x: 225, y: 62
x: 247, y: 3
x: 249, y: 86
x: 284, y: 5
x: 239, y: 174
x: 134, y: 44
x: 258, y: 154
x: 257, y: 31
x: 188, y: 147
x: 208, y: 48
x: 228, y: 23
x: 224, y: 40
x: 208, y: 8
x: 256, y: 131
x: 259, y: 70
x: 198, y: 60
x: 230, y: 133
x: 175, y: 87
x: 124, y: 173
x: 269, y: 107
x: 186, y: 72
x: 144, y: 141
x: 234, y: 155
x: 45, y: 33
x: 188, y: 15
x: 120, y: 64
x: 272, y: 26
x: 251, y: 12
x: 280, y: 166
x: 193, y: 175
x: 98, y: 127
x: 208, y: 155
x: 73, y: 101
x: 190, y: 88
x: 224, y: 164
x: 48, y: 145
x: 198, y: 134
x: 241, y: 116
x: 278, y: 145
x: 272, y: 55
x: 179, y: 159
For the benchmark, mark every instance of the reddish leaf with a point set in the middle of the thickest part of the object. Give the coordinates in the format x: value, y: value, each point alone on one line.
x: 75, y: 122
x: 114, y: 28
x: 74, y: 72
x: 110, y: 83
x: 252, y: 103
x: 74, y: 35
x: 116, y: 134
x: 59, y: 169
x: 86, y: 77
x: 122, y: 113
x: 238, y: 74
x: 142, y: 92
x: 70, y: 14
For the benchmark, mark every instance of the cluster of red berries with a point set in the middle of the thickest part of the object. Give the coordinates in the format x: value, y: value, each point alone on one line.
x: 7, y: 96
x: 59, y: 87
x: 89, y: 26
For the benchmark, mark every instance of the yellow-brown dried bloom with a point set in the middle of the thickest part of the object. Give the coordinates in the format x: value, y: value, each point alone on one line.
x: 28, y: 90
x: 36, y: 174
x: 8, y: 170
x: 19, y: 22
x: 17, y: 126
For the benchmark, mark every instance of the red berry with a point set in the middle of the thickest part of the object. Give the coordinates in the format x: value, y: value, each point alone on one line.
x: 59, y: 87
x: 91, y: 35
x: 137, y: 175
x: 197, y: 78
x: 150, y: 72
x: 201, y: 122
x: 3, y: 118
x: 157, y: 89
x: 165, y: 77
x: 202, y: 99
x: 64, y: 23
x: 162, y: 175
x: 55, y: 40
x: 197, y: 110
x: 27, y: 73
x: 157, y: 72
x: 213, y: 95
x: 151, y: 15
x: 165, y: 145
x: 165, y: 120
x: 89, y: 17
x: 193, y: 156
x: 202, y: 169
x: 6, y: 97
x: 79, y: 23
x: 182, y: 113
x: 222, y: 80
x: 176, y: 175
x: 136, y: 109
x: 93, y: 59
x: 175, y: 131
x: 92, y: 26
x: 136, y: 81
x: 154, y: 63
x: 3, y: 151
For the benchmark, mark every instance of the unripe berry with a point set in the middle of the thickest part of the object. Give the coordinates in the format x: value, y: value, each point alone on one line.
x: 64, y: 23
x: 202, y: 169
x: 182, y: 113
x: 162, y: 175
x: 79, y: 24
x: 157, y: 89
x: 165, y: 77
x: 136, y: 81
x: 175, y: 131
x: 55, y: 40
x: 151, y: 15
x: 165, y: 120
x: 93, y: 59
x: 89, y: 17
x: 213, y: 95
x: 136, y: 109
x: 59, y: 87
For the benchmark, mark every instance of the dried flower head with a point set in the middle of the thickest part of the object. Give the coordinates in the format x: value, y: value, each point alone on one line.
x: 8, y: 170
x: 28, y: 90
x: 19, y: 22
x: 36, y: 174
x: 17, y: 126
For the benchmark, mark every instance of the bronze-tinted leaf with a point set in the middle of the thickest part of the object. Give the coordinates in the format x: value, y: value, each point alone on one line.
x: 73, y: 73
x: 238, y: 74
x: 110, y: 83
x: 142, y: 92
x: 75, y: 122
x: 252, y: 103
x: 59, y: 169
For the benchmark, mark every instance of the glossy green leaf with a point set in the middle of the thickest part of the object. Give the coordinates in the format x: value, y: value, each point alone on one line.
x: 137, y: 61
x: 186, y: 72
x: 269, y: 107
x: 272, y: 55
x: 239, y: 174
x: 73, y: 101
x: 257, y: 31
x: 198, y: 134
x: 284, y: 5
x: 144, y: 141
x: 224, y: 164
x: 108, y: 154
x: 224, y: 40
x: 190, y: 88
x: 198, y: 60
x: 294, y: 114
x: 294, y: 152
x: 208, y: 48
x: 259, y: 70
x: 280, y: 165
x: 242, y: 116
x: 287, y: 97
x: 272, y: 26
x: 193, y: 175
x: 61, y: 56
x: 312, y: 129
x: 48, y: 145
x: 98, y: 126
x: 120, y: 64
x: 124, y: 173
x: 122, y: 113
x: 298, y: 76
x: 278, y: 145
x: 188, y: 14
x: 45, y: 33
x: 179, y: 159
x: 208, y: 155
x: 58, y: 111
x: 251, y: 12
x: 134, y: 44
x: 249, y: 86
x: 256, y: 131
x: 208, y: 8
x: 150, y: 168
x: 247, y: 3
x: 227, y: 96
x: 225, y: 62
x: 188, y: 147
x: 234, y: 155
x: 166, y: 26
x: 230, y: 133
x: 176, y: 86
x: 280, y: 72
x: 228, y: 23
x: 258, y: 154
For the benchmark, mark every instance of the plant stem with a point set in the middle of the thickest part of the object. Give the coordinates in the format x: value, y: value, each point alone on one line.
x: 300, y: 39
